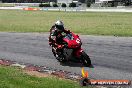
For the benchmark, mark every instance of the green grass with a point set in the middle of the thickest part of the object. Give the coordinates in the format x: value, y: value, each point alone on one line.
x: 92, y: 23
x: 14, y: 78
x: 7, y: 4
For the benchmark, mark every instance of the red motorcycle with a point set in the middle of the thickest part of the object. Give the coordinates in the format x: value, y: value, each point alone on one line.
x: 71, y: 47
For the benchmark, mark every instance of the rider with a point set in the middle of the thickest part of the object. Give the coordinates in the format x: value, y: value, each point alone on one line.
x: 56, y: 33
x: 56, y: 38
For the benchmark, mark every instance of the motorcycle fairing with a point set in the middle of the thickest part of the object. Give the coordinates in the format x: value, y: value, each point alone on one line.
x: 72, y: 40
x: 74, y: 43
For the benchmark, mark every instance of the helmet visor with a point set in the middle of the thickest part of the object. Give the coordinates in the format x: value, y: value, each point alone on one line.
x: 60, y: 27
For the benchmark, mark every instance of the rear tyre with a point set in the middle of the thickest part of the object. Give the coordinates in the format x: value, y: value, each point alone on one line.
x: 86, y: 59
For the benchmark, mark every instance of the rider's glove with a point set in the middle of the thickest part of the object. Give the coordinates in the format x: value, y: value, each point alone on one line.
x: 60, y: 46
x: 68, y: 31
x: 50, y: 43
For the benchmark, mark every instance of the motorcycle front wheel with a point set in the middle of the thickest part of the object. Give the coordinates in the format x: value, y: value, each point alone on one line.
x: 60, y: 57
x: 85, y: 59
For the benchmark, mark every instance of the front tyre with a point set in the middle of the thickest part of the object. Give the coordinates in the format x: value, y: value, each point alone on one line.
x: 85, y: 59
x: 58, y: 55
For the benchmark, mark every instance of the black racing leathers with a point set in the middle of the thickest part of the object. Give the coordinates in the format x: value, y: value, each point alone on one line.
x: 55, y: 36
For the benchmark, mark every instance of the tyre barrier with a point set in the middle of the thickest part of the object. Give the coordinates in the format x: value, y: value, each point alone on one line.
x: 31, y: 9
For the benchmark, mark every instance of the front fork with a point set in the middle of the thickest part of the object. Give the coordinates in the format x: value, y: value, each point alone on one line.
x: 56, y: 51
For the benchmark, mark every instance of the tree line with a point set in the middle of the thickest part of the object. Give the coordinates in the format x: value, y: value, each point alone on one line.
x: 27, y: 1
x: 88, y: 2
x: 113, y: 3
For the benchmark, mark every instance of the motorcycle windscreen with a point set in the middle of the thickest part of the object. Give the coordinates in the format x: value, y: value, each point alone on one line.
x: 69, y: 37
x: 71, y: 41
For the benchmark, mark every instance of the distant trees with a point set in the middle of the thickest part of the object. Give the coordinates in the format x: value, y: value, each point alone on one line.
x: 63, y: 5
x: 89, y: 2
x: 127, y: 2
x: 72, y: 4
x: 82, y: 1
x: 121, y: 2
x: 113, y: 3
x: 55, y: 5
x: 9, y: 1
x: 27, y: 1
x: 44, y: 5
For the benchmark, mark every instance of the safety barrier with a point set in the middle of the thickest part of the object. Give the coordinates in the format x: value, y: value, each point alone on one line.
x: 30, y: 9
x: 70, y: 9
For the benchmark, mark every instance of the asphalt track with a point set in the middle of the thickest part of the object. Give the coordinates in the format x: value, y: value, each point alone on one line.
x: 111, y: 56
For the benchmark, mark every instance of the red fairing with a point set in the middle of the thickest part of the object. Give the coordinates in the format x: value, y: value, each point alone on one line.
x: 74, y: 43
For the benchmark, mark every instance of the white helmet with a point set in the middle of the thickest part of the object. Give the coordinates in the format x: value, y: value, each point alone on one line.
x: 59, y: 25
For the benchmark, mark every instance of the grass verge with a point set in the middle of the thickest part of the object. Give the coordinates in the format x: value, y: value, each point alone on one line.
x: 92, y: 23
x: 11, y: 77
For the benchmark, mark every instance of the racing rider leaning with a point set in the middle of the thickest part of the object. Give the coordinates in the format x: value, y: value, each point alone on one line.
x: 57, y: 32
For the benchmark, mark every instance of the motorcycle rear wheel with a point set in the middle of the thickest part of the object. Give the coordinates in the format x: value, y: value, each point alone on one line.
x: 85, y: 59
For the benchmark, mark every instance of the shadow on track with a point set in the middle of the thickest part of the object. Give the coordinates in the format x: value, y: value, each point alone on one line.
x: 72, y: 63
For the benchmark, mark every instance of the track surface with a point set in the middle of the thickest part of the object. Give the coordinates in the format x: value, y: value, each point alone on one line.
x: 111, y: 56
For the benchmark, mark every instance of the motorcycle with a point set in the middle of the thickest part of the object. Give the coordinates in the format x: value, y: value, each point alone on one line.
x: 71, y: 47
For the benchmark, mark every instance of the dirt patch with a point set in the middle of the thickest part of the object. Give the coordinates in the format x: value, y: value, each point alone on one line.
x: 35, y: 73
